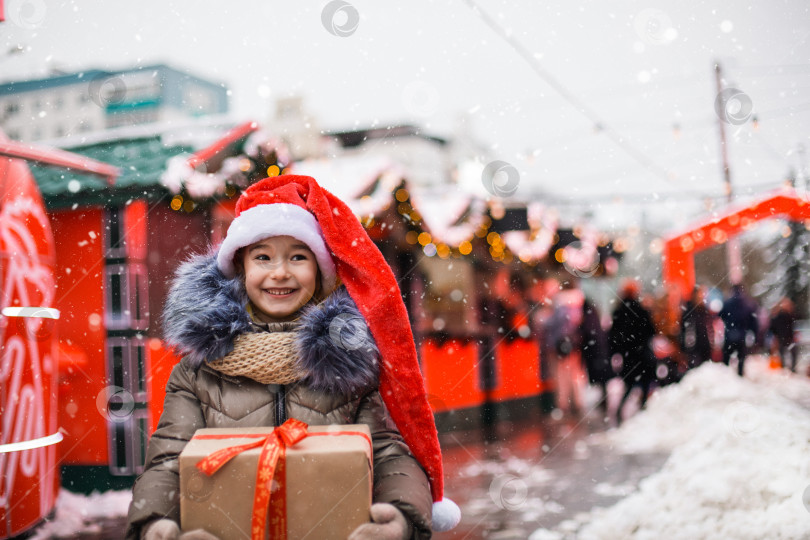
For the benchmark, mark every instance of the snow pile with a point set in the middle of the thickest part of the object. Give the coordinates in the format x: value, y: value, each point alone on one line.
x: 784, y: 382
x: 76, y: 513
x: 739, y: 466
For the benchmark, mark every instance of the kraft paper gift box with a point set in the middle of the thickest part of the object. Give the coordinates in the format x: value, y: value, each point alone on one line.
x: 326, y: 492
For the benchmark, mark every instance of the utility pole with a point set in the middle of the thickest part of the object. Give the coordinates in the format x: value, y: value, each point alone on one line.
x: 733, y: 244
x: 802, y: 300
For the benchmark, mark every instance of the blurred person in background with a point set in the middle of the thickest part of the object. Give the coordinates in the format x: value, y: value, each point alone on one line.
x: 630, y: 334
x: 740, y: 319
x: 783, y: 320
x: 666, y: 315
x: 696, y: 324
x: 594, y: 350
x: 564, y: 339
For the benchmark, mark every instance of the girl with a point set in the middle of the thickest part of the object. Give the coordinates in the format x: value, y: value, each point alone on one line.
x: 267, y: 334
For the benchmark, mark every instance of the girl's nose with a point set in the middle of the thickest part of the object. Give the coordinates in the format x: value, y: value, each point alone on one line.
x: 279, y: 269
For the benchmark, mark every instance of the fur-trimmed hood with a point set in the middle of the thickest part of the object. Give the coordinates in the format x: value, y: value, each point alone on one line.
x: 205, y: 312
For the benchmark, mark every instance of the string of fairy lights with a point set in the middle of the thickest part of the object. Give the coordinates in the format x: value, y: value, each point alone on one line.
x: 482, y: 233
x: 253, y: 168
x: 417, y: 235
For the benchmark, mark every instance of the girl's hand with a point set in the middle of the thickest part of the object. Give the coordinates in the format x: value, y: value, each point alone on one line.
x: 162, y: 529
x: 166, y: 529
x: 197, y: 534
x: 388, y: 523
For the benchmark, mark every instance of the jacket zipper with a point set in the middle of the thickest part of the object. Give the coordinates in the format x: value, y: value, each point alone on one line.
x: 281, y: 407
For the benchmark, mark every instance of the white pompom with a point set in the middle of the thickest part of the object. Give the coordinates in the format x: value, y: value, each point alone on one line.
x: 446, y: 515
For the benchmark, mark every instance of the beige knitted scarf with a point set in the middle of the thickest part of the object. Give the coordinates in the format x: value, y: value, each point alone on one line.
x: 267, y: 356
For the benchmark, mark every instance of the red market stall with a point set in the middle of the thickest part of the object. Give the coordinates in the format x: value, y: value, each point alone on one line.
x: 31, y: 358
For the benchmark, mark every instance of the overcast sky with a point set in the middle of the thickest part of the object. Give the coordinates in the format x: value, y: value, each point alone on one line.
x: 583, y: 101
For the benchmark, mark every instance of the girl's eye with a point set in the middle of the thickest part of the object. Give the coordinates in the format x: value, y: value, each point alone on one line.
x: 262, y: 258
x: 299, y: 257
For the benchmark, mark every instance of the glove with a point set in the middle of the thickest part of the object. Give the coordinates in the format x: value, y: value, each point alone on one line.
x: 166, y: 529
x: 161, y: 529
x: 197, y: 534
x: 388, y: 523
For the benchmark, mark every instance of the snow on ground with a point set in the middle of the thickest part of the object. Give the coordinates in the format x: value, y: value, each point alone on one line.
x: 739, y: 465
x: 76, y: 513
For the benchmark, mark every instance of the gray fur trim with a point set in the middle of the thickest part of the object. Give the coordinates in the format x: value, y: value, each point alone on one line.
x: 204, y: 311
x: 335, y: 348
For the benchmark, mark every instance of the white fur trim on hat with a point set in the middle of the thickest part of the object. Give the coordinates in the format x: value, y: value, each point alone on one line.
x: 279, y: 219
x: 446, y: 515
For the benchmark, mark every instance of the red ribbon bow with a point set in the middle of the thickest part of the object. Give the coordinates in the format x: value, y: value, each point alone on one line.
x: 271, y: 465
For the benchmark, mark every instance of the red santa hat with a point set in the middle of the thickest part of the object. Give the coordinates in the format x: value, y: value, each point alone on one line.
x: 297, y: 206
x: 263, y: 218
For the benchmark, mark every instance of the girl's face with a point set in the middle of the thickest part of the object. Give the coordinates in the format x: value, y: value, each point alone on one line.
x: 281, y: 276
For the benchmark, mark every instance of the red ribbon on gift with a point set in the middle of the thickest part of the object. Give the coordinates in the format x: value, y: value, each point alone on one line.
x: 271, y: 465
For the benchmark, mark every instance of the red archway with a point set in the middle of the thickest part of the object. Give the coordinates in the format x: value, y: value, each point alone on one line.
x: 679, y: 250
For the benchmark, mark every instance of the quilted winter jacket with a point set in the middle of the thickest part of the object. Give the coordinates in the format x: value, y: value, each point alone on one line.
x: 198, y: 396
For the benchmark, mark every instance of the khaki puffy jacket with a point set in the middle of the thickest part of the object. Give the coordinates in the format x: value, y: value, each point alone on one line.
x: 203, y: 397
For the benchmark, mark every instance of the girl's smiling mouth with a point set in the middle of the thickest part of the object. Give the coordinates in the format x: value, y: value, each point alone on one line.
x: 280, y: 292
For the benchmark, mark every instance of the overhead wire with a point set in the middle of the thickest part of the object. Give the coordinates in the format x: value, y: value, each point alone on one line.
x: 578, y: 104
x: 656, y: 198
x: 600, y: 126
